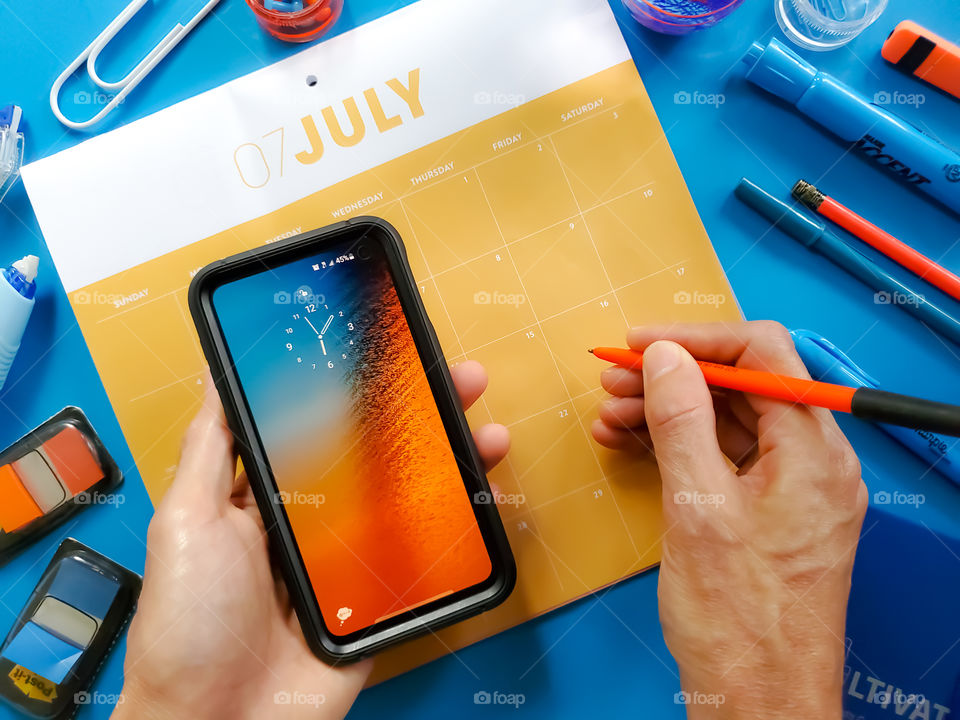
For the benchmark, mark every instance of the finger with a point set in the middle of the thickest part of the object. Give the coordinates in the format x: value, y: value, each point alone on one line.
x: 622, y: 382
x: 284, y: 604
x: 207, y: 469
x: 741, y: 408
x: 634, y: 441
x: 470, y: 379
x: 681, y: 420
x: 241, y: 486
x: 493, y: 442
x: 760, y: 345
x: 244, y: 499
x: 787, y: 432
x: 736, y: 441
x: 623, y: 412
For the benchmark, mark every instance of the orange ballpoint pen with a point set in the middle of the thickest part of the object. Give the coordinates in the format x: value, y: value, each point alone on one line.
x: 865, y: 403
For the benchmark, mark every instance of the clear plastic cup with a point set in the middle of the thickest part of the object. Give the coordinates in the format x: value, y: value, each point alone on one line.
x: 825, y: 24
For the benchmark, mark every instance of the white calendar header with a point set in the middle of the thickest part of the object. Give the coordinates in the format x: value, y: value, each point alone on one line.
x: 328, y: 113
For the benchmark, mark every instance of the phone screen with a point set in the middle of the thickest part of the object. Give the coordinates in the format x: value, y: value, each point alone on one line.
x: 361, y: 460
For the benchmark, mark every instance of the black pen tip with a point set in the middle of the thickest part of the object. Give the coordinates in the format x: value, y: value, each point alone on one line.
x: 590, y: 350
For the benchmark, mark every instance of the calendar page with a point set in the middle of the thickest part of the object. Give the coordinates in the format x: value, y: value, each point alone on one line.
x: 515, y: 150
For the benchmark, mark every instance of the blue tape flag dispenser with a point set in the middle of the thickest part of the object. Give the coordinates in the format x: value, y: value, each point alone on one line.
x: 828, y: 363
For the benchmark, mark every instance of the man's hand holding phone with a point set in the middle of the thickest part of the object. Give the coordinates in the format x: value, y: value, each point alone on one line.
x: 215, y: 635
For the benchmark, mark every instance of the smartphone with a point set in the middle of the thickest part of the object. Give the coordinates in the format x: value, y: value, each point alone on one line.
x: 353, y: 438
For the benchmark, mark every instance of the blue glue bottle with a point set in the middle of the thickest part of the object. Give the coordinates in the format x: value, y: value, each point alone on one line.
x: 876, y: 134
x: 17, y: 291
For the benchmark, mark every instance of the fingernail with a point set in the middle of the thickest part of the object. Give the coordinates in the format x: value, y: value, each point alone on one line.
x: 660, y: 358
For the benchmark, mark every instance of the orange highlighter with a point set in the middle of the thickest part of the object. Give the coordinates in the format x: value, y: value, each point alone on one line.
x: 863, y: 402
x: 918, y: 52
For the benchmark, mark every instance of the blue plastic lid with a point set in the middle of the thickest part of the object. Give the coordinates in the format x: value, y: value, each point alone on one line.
x: 10, y: 117
x: 18, y: 282
x: 779, y: 70
x: 788, y: 218
x: 826, y: 361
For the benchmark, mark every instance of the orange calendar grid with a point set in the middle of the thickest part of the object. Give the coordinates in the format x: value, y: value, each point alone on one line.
x: 547, y: 229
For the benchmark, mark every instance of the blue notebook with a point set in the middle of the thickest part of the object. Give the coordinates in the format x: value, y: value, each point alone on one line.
x: 903, y: 624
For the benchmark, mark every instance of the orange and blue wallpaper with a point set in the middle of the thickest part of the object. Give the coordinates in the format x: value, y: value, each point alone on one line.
x: 353, y: 437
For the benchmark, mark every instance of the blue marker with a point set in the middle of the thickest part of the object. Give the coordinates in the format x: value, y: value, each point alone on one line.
x: 876, y: 134
x: 17, y: 290
x: 828, y: 363
x: 813, y: 233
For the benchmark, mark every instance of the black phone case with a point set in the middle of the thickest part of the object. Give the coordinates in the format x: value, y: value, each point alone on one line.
x: 283, y: 544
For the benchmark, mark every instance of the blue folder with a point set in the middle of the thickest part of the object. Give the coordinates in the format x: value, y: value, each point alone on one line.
x: 903, y: 623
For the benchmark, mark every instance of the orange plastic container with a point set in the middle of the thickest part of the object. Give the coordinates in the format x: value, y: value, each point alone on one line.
x: 305, y: 25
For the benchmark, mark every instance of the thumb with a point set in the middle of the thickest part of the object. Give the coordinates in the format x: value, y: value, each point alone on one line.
x: 208, y: 466
x: 681, y: 420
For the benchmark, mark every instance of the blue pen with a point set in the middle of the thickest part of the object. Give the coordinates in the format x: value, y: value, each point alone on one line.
x: 828, y: 363
x: 813, y: 233
x: 876, y: 134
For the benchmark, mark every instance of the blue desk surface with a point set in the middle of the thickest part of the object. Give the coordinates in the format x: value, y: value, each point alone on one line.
x: 605, y: 654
